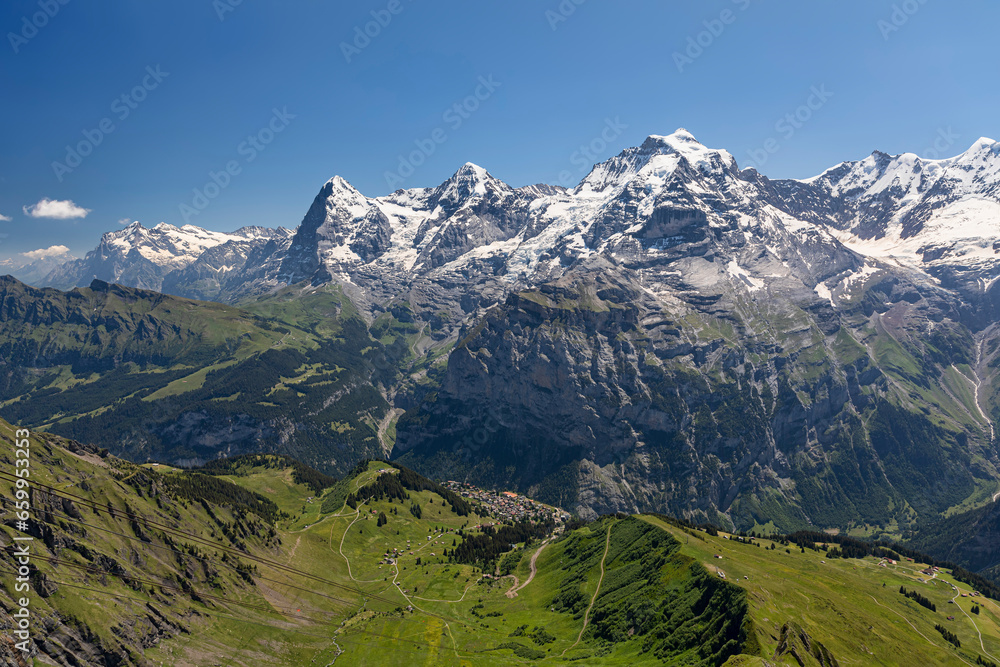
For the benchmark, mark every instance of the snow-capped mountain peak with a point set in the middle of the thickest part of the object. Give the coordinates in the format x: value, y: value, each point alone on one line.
x: 929, y: 214
x: 471, y: 182
x: 658, y: 156
x: 985, y: 144
x: 669, y: 204
x: 142, y: 256
x: 343, y: 199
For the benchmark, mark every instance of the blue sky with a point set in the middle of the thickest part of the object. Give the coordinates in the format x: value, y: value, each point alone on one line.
x: 269, y: 90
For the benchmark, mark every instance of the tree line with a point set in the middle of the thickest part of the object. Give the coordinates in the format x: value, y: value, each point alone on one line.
x: 860, y: 549
x: 484, y: 549
x: 918, y: 598
x: 301, y: 473
x: 948, y: 635
x: 401, y: 481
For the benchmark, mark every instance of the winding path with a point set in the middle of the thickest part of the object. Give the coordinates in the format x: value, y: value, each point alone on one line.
x: 399, y: 589
x: 344, y: 556
x: 586, y: 614
x: 534, y: 570
x: 958, y: 592
x: 449, y: 601
x: 907, y: 621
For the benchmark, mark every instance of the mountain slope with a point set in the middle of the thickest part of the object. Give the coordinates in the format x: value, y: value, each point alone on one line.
x: 591, y: 393
x: 155, y: 376
x: 260, y: 561
x: 200, y: 569
x: 34, y: 271
x: 714, y: 354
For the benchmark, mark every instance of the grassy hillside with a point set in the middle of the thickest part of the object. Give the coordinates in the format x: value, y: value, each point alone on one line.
x: 132, y: 566
x: 247, y: 563
x: 852, y: 607
x: 156, y: 377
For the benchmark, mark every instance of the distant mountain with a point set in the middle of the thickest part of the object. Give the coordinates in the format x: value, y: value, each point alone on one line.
x: 33, y: 269
x: 185, y: 261
x: 464, y: 245
x: 940, y: 217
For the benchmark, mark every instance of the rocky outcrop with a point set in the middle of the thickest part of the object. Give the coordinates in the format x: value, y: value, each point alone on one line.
x: 591, y: 393
x: 795, y: 643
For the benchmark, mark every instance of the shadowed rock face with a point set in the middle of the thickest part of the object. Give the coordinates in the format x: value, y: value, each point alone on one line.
x: 592, y: 393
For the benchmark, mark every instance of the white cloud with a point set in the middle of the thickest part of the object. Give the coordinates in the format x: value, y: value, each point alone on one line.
x: 56, y: 209
x: 42, y: 253
x: 5, y: 218
x: 125, y: 222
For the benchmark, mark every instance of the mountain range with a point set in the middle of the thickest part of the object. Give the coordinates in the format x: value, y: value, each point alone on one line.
x: 673, y: 334
x: 931, y: 216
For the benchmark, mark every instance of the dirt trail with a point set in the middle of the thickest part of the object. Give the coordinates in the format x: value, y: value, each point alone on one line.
x: 958, y: 593
x: 905, y: 619
x: 586, y: 615
x: 467, y: 588
x: 346, y: 559
x: 513, y: 587
x: 534, y: 570
x: 291, y: 554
